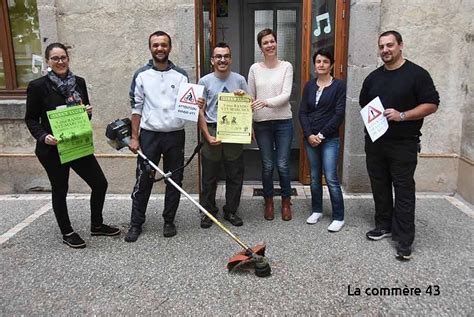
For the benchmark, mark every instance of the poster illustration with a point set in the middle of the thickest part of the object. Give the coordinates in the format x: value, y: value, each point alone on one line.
x: 73, y: 130
x: 234, y: 118
x: 186, y: 104
x: 374, y: 120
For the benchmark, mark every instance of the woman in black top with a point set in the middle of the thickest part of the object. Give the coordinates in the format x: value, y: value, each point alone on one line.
x: 321, y: 113
x: 59, y: 87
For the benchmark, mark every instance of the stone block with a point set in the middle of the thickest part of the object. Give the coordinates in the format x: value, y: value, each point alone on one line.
x: 354, y: 176
x: 355, y: 78
x: 465, y: 183
x: 191, y: 138
x: 467, y: 140
x: 354, y: 129
x: 47, y: 22
x: 436, y: 174
x: 186, y: 40
x: 24, y: 174
x: 363, y: 33
x: 45, y: 3
x: 15, y: 137
x: 12, y: 109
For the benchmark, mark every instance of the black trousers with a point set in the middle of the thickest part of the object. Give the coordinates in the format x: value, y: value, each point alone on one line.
x: 234, y: 171
x: 154, y: 145
x: 213, y: 157
x: 89, y: 170
x: 392, y: 163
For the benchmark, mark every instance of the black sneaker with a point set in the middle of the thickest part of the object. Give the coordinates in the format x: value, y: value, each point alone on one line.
x: 378, y: 234
x: 133, y: 234
x: 74, y: 241
x: 233, y: 219
x: 403, y: 253
x: 206, y: 222
x: 104, y: 230
x: 169, y: 230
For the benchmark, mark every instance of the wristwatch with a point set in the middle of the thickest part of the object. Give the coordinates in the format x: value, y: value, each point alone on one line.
x: 402, y: 116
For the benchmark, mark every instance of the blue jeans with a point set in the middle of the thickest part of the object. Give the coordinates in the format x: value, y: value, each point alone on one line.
x: 326, y: 154
x: 274, y: 141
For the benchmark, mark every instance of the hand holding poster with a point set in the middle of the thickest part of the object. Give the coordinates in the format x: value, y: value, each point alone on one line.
x: 186, y: 104
x: 234, y: 118
x: 73, y: 130
x: 374, y: 120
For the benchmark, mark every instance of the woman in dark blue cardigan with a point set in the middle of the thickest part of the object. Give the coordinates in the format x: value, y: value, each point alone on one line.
x: 321, y: 113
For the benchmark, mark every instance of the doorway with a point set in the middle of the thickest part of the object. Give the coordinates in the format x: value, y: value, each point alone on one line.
x: 282, y: 17
x: 302, y: 27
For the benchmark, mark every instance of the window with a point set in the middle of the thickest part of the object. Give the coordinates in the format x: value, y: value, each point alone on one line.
x: 20, y: 46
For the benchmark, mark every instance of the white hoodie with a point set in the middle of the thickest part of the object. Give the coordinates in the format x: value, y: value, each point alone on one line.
x: 153, y: 96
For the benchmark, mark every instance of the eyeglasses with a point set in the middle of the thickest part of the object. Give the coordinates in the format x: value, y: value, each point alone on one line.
x: 226, y: 56
x: 56, y: 59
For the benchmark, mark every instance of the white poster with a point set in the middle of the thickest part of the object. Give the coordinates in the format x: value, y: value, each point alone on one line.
x: 186, y: 104
x: 374, y: 120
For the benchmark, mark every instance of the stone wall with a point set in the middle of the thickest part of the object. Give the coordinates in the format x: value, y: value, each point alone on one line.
x: 438, y: 38
x: 108, y: 41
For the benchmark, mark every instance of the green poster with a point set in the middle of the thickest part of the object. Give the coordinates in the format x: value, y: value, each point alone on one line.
x: 73, y: 130
x: 234, y: 118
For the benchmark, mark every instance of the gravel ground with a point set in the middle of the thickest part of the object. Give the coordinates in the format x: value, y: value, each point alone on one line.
x: 314, y: 271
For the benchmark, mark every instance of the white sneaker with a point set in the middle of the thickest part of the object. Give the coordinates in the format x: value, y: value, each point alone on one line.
x: 336, y: 225
x: 315, y: 216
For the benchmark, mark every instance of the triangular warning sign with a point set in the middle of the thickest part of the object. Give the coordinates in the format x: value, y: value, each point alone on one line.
x: 373, y: 114
x: 189, y: 97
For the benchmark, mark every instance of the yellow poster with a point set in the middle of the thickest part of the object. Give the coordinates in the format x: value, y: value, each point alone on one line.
x: 234, y: 118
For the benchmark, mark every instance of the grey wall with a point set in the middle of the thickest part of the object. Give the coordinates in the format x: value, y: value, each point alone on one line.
x: 438, y: 38
x: 362, y: 59
x: 109, y: 41
x: 434, y: 37
x: 467, y: 88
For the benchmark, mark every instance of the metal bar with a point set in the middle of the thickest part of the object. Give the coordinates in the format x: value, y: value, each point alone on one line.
x: 207, y: 213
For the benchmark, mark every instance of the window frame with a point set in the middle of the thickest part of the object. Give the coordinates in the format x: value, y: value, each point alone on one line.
x: 11, y: 90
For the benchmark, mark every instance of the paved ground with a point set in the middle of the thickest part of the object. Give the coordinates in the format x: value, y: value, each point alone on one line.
x: 314, y: 271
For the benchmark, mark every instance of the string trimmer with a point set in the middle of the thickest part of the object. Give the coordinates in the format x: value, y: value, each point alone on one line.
x: 119, y: 132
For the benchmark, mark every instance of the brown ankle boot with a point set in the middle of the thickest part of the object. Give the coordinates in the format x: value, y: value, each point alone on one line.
x: 286, y: 208
x: 269, y: 212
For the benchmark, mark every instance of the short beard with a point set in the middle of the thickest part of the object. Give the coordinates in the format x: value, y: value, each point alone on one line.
x: 160, y: 61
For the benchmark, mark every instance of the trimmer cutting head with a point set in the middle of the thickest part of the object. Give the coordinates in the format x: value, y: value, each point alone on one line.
x: 252, y: 259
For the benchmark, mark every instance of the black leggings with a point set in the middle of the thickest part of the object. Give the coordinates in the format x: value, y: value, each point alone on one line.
x: 89, y: 170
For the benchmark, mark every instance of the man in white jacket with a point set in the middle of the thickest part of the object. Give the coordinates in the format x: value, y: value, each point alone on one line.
x: 156, y: 132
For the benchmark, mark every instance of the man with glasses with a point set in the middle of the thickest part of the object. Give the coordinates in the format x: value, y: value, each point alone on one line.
x: 215, y: 153
x: 156, y: 132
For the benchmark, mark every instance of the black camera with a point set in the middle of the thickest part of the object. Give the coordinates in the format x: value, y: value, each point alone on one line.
x: 119, y: 132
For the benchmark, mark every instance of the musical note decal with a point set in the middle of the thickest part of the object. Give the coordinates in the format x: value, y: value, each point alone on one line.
x: 36, y: 64
x: 327, y: 28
